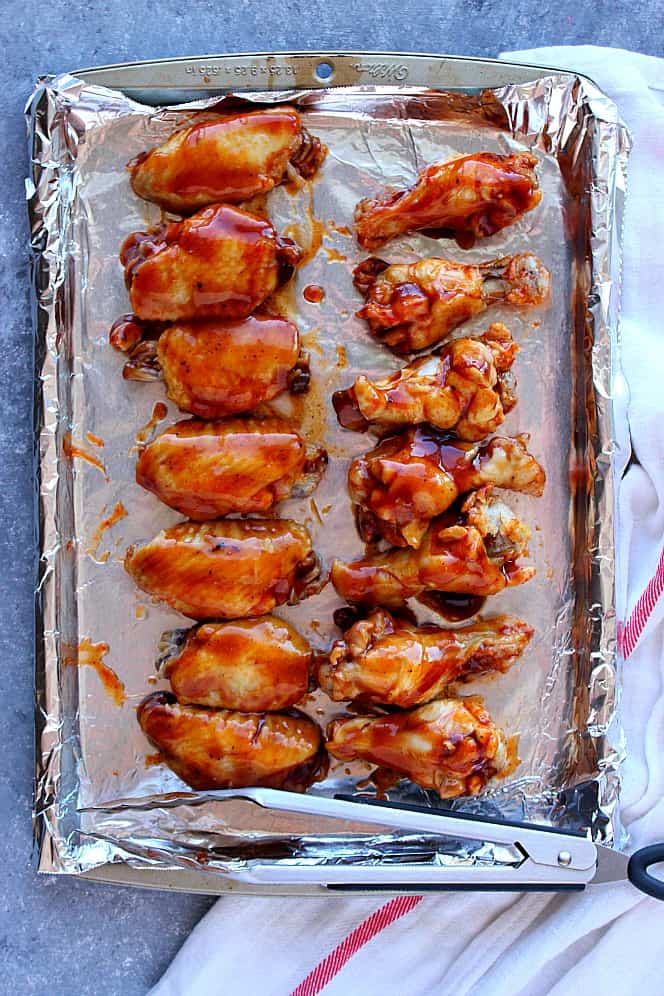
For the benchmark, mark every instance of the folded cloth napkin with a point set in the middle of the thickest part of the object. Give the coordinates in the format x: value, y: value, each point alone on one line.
x: 609, y: 938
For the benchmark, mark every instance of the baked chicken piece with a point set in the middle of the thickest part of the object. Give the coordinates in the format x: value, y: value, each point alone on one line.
x: 410, y: 306
x: 214, y: 368
x: 389, y: 661
x: 469, y: 196
x: 256, y: 665
x: 220, y: 263
x: 229, y: 569
x: 208, y: 469
x: 451, y: 746
x: 219, y: 749
x: 226, y: 157
x: 407, y: 480
x: 471, y: 551
x: 468, y: 387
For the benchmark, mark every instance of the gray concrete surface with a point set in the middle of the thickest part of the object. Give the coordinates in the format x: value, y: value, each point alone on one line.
x: 66, y: 938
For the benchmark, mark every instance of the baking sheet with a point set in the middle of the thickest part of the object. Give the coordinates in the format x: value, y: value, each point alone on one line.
x: 100, y: 795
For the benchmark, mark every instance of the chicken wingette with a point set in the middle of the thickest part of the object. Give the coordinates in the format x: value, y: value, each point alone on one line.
x: 451, y: 746
x: 219, y: 749
x: 410, y: 306
x: 471, y: 551
x: 388, y: 661
x: 209, y: 469
x: 409, y: 479
x: 214, y: 368
x: 225, y: 158
x: 220, y: 263
x: 229, y: 569
x: 470, y: 196
x: 255, y: 665
x: 468, y: 387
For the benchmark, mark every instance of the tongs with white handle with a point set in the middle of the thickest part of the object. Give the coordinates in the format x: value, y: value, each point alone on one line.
x: 550, y: 859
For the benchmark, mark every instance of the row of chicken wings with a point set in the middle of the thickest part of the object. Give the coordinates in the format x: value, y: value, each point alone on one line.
x: 200, y: 290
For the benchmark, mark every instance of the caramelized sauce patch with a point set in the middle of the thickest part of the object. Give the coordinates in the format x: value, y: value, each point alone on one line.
x: 75, y: 450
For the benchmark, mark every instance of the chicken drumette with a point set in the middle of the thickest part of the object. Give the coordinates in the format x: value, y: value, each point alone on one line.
x: 225, y: 158
x: 413, y: 305
x: 408, y: 479
x: 467, y: 387
x: 230, y: 569
x: 471, y: 551
x: 470, y: 197
x: 208, y: 469
x: 219, y: 749
x: 388, y: 661
x: 220, y: 263
x: 256, y: 665
x: 214, y: 368
x: 451, y: 746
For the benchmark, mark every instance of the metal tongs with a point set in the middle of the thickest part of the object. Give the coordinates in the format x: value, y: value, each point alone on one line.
x: 550, y: 859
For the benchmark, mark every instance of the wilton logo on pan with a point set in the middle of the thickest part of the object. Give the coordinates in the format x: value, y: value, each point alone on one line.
x: 382, y: 70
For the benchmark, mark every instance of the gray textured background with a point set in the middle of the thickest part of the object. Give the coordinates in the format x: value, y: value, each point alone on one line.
x: 66, y: 937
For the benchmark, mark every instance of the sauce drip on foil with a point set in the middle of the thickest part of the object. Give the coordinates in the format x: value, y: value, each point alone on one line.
x: 92, y: 655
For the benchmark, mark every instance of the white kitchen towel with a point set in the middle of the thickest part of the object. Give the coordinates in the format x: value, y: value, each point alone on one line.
x: 609, y: 938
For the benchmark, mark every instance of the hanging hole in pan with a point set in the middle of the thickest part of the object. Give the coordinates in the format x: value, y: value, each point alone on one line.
x: 324, y: 72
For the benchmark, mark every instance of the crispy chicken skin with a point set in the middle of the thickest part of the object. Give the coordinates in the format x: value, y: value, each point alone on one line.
x: 451, y: 746
x: 214, y: 368
x: 407, y: 480
x: 467, y: 387
x: 219, y: 749
x: 411, y: 306
x: 220, y: 263
x: 230, y: 569
x: 257, y: 665
x: 392, y: 662
x: 225, y: 158
x: 208, y: 469
x: 471, y: 551
x: 470, y: 196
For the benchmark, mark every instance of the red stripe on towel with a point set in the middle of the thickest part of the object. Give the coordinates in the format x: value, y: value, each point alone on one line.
x: 631, y: 631
x: 332, y: 964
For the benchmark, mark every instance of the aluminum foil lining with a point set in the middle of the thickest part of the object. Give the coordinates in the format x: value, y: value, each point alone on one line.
x: 100, y: 796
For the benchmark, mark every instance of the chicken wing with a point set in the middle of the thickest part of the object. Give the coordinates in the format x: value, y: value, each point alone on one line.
x: 469, y: 196
x: 229, y: 569
x: 214, y: 368
x: 413, y: 305
x: 391, y: 662
x: 208, y: 469
x: 467, y: 387
x: 220, y: 263
x: 451, y: 746
x: 218, y: 749
x: 258, y: 665
x: 407, y: 480
x: 228, y: 158
x: 472, y: 551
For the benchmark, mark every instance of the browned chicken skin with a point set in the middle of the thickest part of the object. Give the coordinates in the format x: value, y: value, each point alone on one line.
x: 230, y: 569
x: 471, y: 551
x: 214, y: 368
x: 413, y: 305
x: 392, y: 662
x: 408, y: 479
x: 225, y: 158
x: 220, y: 263
x: 208, y: 469
x: 467, y: 387
x: 469, y: 196
x: 256, y: 665
x: 219, y: 749
x: 451, y: 746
